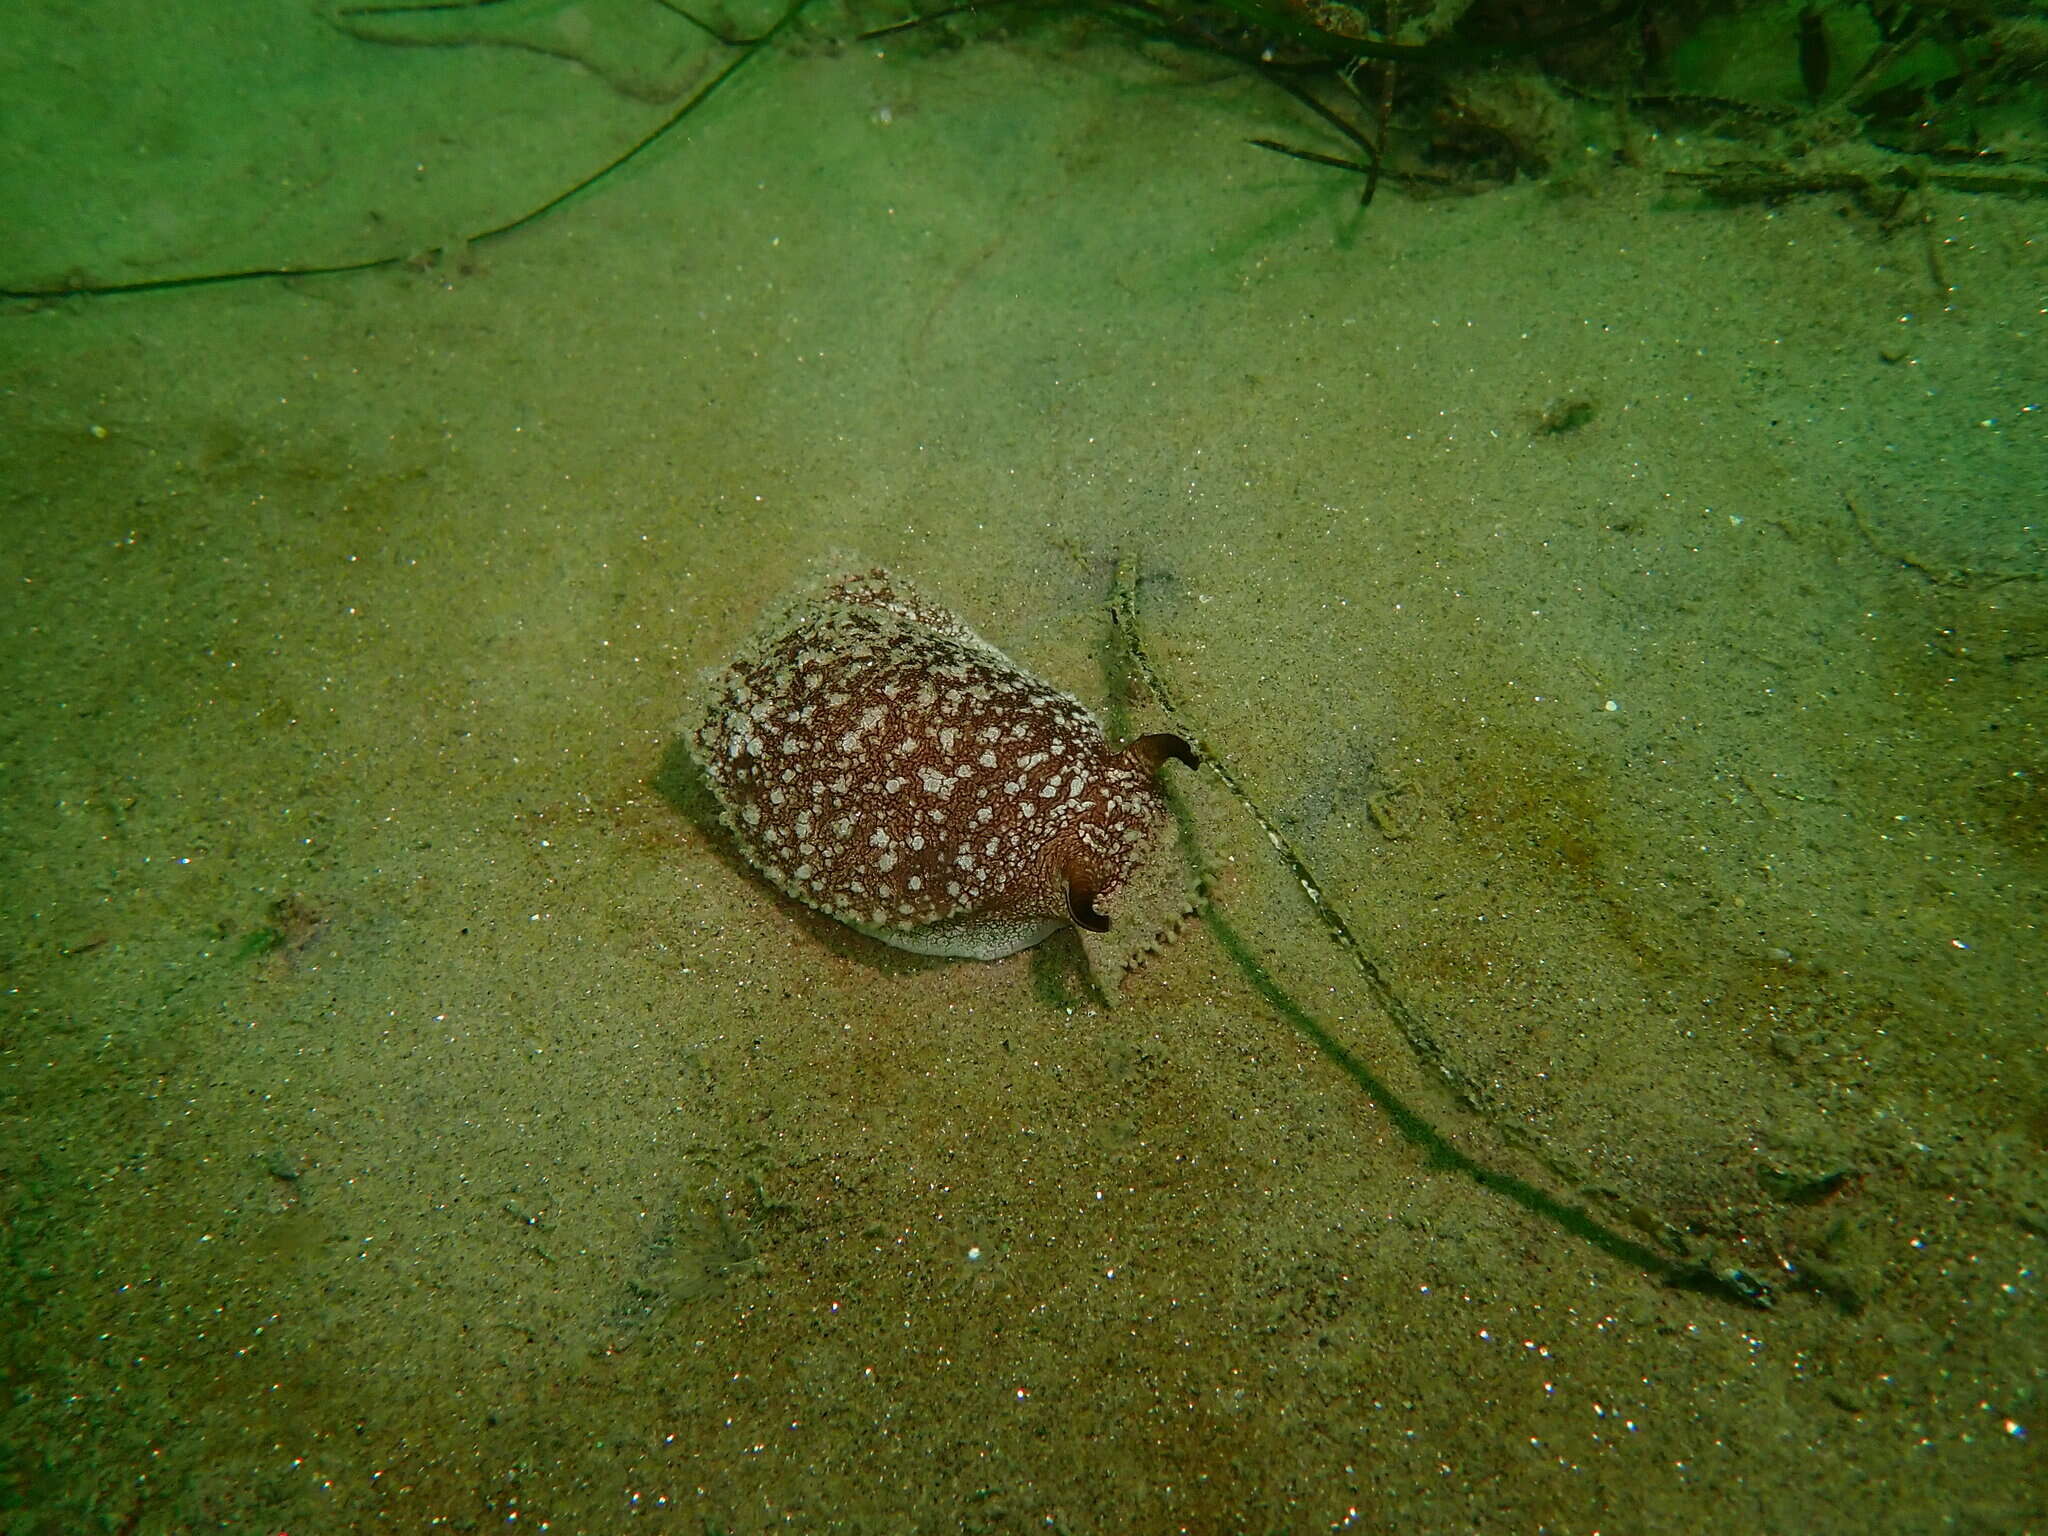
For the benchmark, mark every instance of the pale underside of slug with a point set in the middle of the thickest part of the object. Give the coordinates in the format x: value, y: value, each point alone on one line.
x: 876, y: 759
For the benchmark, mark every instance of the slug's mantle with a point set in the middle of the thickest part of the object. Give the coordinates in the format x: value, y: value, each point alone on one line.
x: 879, y: 761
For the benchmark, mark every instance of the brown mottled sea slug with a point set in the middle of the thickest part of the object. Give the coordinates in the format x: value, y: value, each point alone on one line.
x: 881, y: 762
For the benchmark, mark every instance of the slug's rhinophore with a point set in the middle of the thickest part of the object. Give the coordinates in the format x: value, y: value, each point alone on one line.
x: 878, y: 760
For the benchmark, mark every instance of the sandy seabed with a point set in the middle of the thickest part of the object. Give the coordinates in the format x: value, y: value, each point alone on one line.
x: 416, y: 1116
